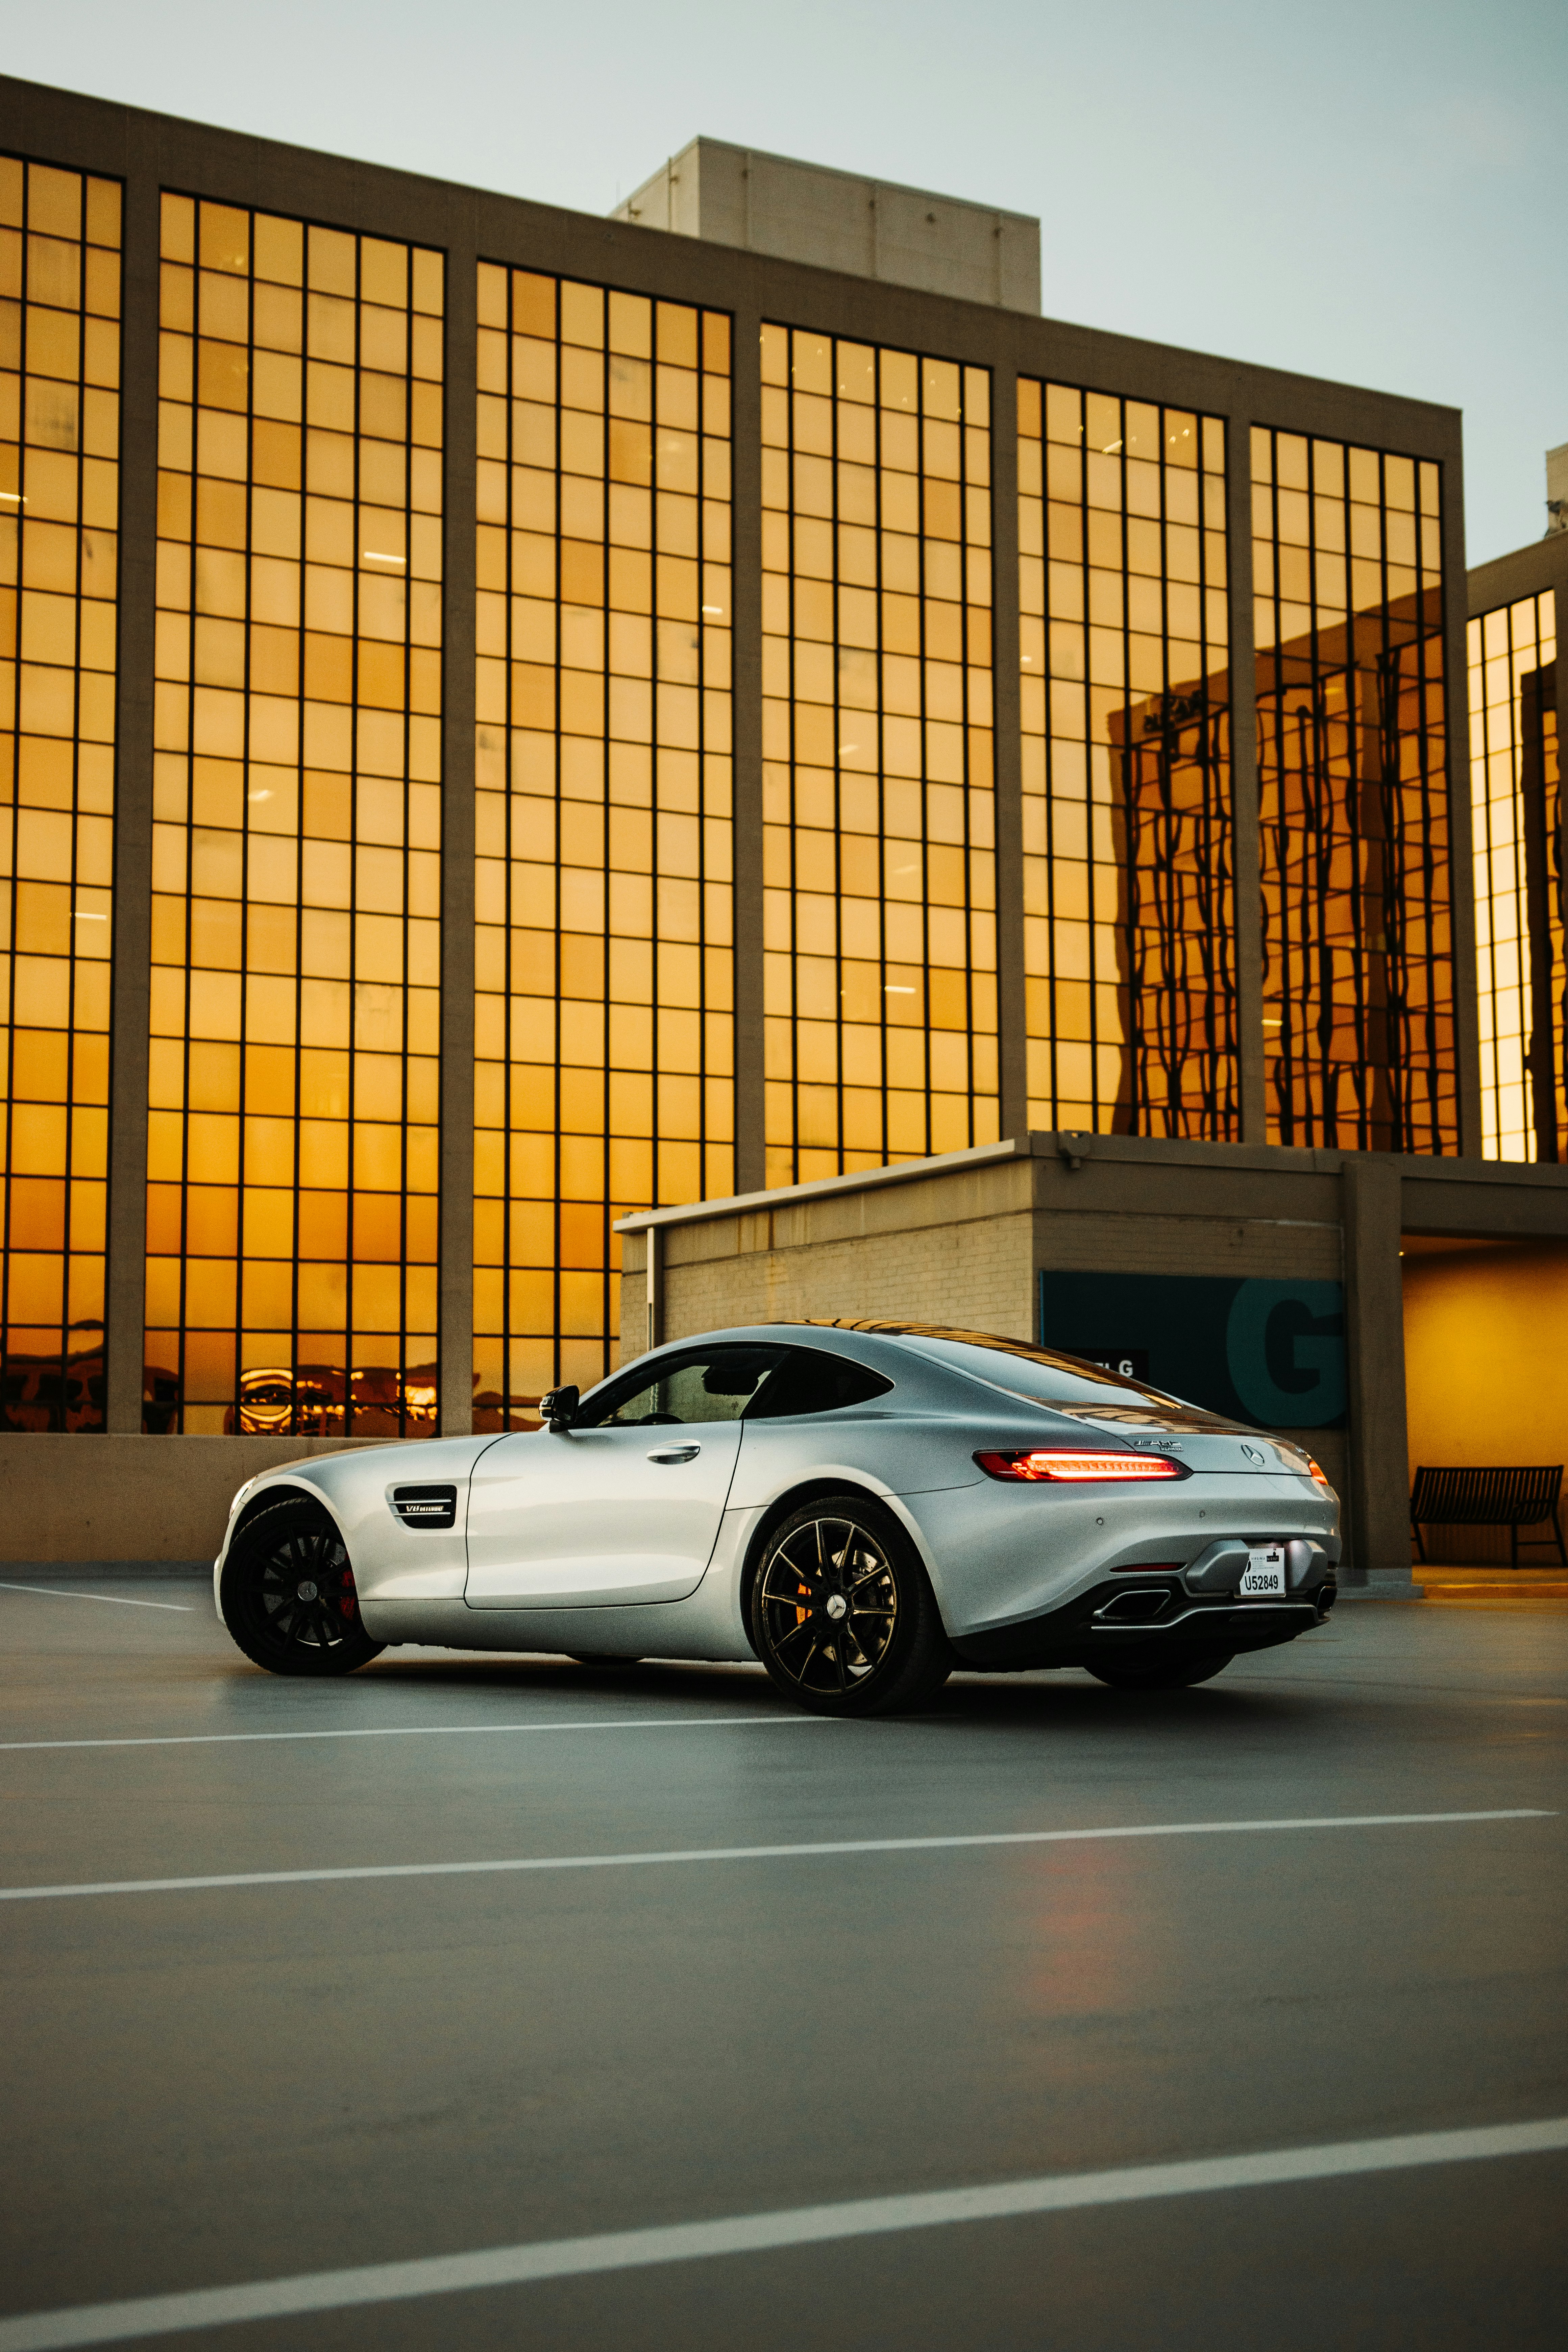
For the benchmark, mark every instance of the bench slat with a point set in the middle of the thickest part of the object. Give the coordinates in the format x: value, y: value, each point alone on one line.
x: 1514, y: 1497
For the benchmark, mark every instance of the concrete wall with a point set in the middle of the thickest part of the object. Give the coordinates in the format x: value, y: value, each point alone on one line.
x: 129, y: 1503
x: 955, y: 1248
x: 1486, y: 1378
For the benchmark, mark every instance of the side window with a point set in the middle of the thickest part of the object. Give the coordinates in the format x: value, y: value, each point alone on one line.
x: 715, y: 1385
x: 810, y: 1381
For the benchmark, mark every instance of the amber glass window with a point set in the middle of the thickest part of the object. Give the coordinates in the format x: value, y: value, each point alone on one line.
x: 1358, y: 993
x: 603, y: 1045
x: 59, y: 500
x: 291, y: 1204
x: 881, y: 930
x: 1129, y: 904
x: 1517, y: 818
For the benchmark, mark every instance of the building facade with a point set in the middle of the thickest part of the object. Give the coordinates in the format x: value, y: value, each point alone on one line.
x: 1520, y: 846
x: 520, y: 720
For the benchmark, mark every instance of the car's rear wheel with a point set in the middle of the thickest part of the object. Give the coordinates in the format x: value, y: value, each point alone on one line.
x: 288, y: 1593
x: 1164, y: 1673
x: 842, y: 1614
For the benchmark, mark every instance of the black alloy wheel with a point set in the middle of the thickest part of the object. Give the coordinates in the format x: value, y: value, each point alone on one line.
x: 842, y: 1616
x: 288, y: 1595
x: 1178, y: 1673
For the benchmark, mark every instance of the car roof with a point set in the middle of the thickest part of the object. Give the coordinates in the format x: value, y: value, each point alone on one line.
x: 880, y: 1329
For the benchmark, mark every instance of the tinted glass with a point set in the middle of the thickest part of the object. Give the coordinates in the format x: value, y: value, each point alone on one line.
x: 1124, y: 723
x: 60, y: 508
x: 880, y: 863
x: 1353, y: 797
x: 716, y: 1385
x: 808, y: 1381
x: 1034, y: 1372
x: 294, y: 1078
x: 603, y: 988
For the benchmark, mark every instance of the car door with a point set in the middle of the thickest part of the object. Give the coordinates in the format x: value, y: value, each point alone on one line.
x: 624, y: 1506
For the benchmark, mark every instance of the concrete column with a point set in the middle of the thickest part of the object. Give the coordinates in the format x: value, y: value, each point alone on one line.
x: 455, y: 1338
x: 1012, y: 1041
x: 653, y: 1247
x: 746, y: 523
x: 1379, y: 1509
x: 126, y: 1272
x: 1245, y: 845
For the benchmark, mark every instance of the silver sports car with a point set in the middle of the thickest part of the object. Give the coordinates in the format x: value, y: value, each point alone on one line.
x: 862, y: 1506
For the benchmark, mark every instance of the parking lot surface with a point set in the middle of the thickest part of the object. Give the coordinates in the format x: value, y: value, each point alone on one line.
x: 234, y: 2084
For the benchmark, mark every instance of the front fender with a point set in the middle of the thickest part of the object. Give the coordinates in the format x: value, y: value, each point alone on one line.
x: 389, y: 1559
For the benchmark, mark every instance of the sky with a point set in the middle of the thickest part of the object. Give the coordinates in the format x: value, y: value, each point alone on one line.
x: 1372, y: 190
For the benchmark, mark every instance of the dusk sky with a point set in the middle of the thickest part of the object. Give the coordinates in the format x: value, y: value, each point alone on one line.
x: 1374, y: 191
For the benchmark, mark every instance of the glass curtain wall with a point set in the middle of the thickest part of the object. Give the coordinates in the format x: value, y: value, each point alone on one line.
x: 604, y: 983
x: 1129, y: 901
x: 1517, y: 818
x: 1357, y: 947
x: 291, y: 1204
x: 60, y: 511
x: 879, y: 926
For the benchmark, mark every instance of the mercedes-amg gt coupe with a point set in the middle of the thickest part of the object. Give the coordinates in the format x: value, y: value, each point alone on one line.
x: 864, y: 1506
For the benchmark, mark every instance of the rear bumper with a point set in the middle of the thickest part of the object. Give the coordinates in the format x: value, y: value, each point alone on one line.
x: 1145, y: 1617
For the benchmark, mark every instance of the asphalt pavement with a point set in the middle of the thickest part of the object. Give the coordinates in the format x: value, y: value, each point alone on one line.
x: 293, y: 2070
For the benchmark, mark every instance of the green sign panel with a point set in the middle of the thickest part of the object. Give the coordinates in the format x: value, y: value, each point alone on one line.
x: 1272, y: 1353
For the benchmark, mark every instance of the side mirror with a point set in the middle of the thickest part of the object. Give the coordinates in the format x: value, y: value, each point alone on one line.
x: 559, y: 1408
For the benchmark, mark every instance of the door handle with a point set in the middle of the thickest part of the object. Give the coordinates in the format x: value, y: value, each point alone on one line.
x: 676, y: 1453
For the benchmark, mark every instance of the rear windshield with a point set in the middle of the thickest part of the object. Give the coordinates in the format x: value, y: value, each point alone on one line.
x: 1038, y: 1373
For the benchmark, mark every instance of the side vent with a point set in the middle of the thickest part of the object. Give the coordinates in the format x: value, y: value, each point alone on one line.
x: 425, y: 1507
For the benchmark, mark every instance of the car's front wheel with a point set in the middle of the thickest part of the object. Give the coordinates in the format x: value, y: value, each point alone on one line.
x: 1164, y: 1673
x: 288, y: 1593
x: 842, y: 1615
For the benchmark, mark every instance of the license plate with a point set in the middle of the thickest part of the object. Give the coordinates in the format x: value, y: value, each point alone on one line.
x: 1263, y: 1578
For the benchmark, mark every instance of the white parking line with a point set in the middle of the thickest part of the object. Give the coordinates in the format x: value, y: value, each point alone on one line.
x: 419, y: 1731
x: 748, y: 1853
x: 115, y: 1601
x: 750, y: 2234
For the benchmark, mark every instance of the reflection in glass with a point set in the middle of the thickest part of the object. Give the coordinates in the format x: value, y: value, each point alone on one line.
x: 1128, y: 907
x: 880, y: 869
x: 60, y: 499
x: 1351, y: 747
x: 604, y: 1078
x: 1522, y: 877
x: 293, y: 1144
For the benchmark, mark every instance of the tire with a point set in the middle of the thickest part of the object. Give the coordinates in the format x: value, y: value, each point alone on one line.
x: 881, y: 1649
x: 278, y: 1623
x: 1165, y: 1674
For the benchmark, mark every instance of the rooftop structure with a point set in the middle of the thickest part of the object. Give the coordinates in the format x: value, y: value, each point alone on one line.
x: 841, y: 220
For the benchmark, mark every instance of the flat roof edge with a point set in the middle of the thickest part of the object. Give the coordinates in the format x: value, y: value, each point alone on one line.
x: 902, y: 1172
x: 1082, y: 1151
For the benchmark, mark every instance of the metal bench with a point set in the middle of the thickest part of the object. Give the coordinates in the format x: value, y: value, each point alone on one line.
x: 1511, y: 1498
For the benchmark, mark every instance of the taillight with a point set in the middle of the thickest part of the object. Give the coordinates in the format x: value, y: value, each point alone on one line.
x: 1075, y: 1467
x: 1316, y: 1470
